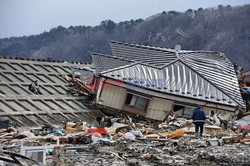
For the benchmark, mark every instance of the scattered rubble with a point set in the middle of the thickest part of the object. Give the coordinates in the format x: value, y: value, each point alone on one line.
x: 127, y: 141
x: 68, y: 101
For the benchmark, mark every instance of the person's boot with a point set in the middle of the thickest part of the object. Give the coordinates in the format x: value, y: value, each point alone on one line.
x: 196, y: 135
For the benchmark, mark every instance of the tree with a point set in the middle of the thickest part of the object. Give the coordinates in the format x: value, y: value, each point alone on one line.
x: 189, y: 11
x: 200, y: 9
x: 108, y: 25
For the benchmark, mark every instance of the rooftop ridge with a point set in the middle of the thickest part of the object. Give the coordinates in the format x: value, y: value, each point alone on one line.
x: 163, y: 48
x: 111, y: 56
x: 132, y: 62
x: 144, y: 46
x: 121, y: 67
x: 43, y: 60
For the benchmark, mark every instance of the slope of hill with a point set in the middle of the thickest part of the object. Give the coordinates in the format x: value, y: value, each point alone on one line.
x: 225, y: 29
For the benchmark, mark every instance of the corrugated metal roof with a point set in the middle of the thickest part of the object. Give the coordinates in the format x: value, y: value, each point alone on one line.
x: 205, y: 75
x: 27, y: 109
x: 176, y: 78
x: 217, y: 69
x: 154, y: 56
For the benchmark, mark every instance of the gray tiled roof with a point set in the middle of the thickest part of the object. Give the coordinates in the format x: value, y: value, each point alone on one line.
x: 217, y: 69
x: 205, y: 75
x: 105, y: 62
x: 27, y: 109
x: 155, y: 56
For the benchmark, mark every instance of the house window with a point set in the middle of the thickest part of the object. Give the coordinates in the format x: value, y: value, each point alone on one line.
x: 184, y: 110
x: 137, y: 102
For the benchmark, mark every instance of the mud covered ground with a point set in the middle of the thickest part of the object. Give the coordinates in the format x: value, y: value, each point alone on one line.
x: 195, y: 152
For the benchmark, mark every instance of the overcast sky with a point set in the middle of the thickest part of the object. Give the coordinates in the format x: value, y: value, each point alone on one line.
x: 26, y: 17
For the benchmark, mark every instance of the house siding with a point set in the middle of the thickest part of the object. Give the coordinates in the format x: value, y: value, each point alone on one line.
x: 112, y: 97
x: 158, y: 108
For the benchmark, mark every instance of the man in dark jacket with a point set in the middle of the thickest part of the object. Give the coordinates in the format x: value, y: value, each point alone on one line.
x: 199, y: 118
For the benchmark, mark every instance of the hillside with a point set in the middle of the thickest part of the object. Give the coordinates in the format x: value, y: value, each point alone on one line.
x: 225, y: 29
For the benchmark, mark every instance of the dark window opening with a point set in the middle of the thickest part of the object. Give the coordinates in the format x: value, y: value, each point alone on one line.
x: 178, y: 107
x: 184, y: 111
x: 128, y: 99
x: 136, y: 102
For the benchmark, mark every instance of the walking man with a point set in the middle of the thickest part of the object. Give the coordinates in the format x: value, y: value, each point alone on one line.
x: 199, y: 118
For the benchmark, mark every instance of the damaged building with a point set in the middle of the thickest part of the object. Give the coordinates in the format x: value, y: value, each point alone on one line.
x: 55, y: 108
x: 151, y: 81
x: 140, y: 80
x: 55, y: 105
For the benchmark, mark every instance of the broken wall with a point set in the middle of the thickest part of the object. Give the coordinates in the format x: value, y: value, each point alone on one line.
x: 158, y: 108
x: 112, y: 96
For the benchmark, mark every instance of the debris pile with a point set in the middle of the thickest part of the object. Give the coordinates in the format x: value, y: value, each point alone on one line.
x: 69, y: 97
x: 128, y: 141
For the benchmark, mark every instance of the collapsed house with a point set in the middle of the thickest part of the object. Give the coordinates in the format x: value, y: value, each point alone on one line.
x: 55, y: 105
x: 139, y: 80
x: 152, y: 81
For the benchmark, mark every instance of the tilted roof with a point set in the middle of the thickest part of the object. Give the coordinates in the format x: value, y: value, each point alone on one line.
x: 155, y: 56
x: 105, y: 62
x: 54, y: 105
x: 204, y: 75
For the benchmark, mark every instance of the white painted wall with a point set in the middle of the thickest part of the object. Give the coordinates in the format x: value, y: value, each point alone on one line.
x: 229, y: 108
x: 158, y: 108
x: 113, y: 97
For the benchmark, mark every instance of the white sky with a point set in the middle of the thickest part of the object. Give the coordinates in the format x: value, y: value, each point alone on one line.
x: 26, y: 17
